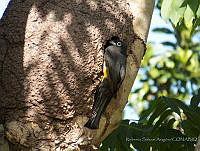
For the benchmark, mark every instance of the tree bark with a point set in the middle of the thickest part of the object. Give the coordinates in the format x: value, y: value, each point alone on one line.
x: 51, y: 55
x: 197, y: 147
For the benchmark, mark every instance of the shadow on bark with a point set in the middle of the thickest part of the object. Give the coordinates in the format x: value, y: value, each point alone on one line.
x: 54, y: 95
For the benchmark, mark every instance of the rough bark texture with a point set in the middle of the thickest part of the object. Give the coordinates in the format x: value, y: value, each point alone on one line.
x: 51, y: 54
x: 197, y: 147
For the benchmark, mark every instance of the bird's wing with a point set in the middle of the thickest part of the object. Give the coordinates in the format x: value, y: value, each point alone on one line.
x: 122, y: 72
x: 112, y: 60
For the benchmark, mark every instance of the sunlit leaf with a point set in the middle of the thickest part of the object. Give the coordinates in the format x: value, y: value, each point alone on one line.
x: 198, y: 12
x: 188, y: 15
x: 154, y: 73
x: 163, y: 117
x: 158, y: 110
x: 173, y: 9
x: 166, y: 9
x: 171, y: 122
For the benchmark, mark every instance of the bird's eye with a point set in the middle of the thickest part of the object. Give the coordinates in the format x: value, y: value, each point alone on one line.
x: 119, y: 44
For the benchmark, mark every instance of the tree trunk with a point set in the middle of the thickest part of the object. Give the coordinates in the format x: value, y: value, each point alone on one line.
x: 51, y: 55
x: 197, y: 147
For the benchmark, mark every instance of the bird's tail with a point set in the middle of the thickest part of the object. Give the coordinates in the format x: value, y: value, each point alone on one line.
x: 102, y: 99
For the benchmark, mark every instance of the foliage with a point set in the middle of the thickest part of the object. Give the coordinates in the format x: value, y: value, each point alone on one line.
x: 168, y: 79
x: 174, y: 73
x: 181, y: 10
x: 168, y: 124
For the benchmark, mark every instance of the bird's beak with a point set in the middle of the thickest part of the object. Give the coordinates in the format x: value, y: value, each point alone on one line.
x: 112, y: 42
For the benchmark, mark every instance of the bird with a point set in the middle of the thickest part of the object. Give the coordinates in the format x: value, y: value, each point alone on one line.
x: 114, y: 70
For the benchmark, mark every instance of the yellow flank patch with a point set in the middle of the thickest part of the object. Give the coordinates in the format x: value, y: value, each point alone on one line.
x: 105, y: 74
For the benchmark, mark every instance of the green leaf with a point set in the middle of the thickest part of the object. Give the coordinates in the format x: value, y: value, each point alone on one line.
x: 195, y: 102
x: 179, y: 145
x: 146, y: 113
x: 171, y: 122
x: 173, y: 9
x: 175, y: 104
x: 188, y: 128
x: 154, y: 73
x: 167, y: 43
x: 139, y: 131
x: 117, y: 141
x: 198, y: 12
x: 163, y: 79
x: 169, y: 64
x: 126, y: 134
x: 160, y: 107
x: 188, y: 15
x: 193, y: 4
x: 166, y: 8
x: 163, y: 30
x: 184, y: 55
x: 172, y: 104
x: 163, y: 117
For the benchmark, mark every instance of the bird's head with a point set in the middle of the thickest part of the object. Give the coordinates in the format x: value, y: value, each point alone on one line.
x: 115, y: 41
